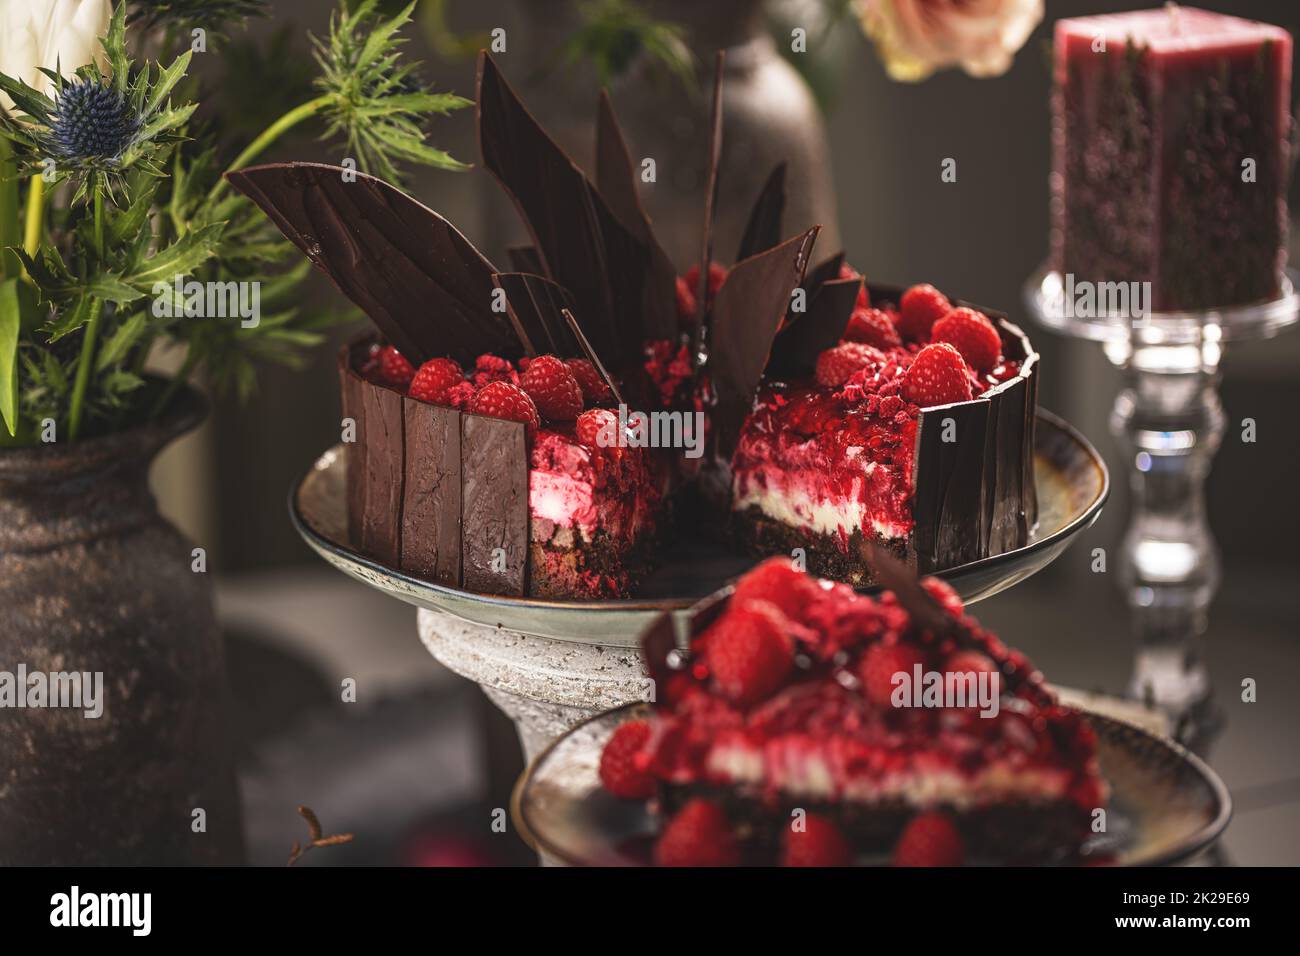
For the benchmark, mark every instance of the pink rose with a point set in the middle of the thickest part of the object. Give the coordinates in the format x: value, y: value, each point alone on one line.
x: 917, y: 37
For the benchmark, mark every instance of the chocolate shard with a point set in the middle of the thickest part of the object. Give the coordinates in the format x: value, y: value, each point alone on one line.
x: 747, y: 311
x: 702, y: 304
x: 896, y: 576
x: 616, y: 182
x: 431, y: 506
x: 417, y: 278
x: 525, y: 259
x: 582, y: 244
x: 590, y: 354
x: 825, y: 271
x: 494, y: 505
x: 806, y: 335
x: 352, y: 391
x: 535, y: 305
x: 763, y: 230
x: 658, y: 647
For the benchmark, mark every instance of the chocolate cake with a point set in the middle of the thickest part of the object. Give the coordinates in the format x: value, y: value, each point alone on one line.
x: 496, y: 447
x: 807, y: 724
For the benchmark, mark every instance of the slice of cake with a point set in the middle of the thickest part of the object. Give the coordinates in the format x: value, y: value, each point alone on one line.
x: 913, y: 432
x: 808, y: 723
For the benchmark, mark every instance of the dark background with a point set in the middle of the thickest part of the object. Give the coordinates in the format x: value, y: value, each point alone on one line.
x: 295, y: 624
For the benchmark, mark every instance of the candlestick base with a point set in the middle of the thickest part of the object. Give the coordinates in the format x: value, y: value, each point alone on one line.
x: 1169, y: 419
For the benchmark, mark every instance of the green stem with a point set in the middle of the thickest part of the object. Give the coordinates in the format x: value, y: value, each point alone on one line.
x: 269, y: 135
x: 99, y: 225
x: 35, y: 215
x: 11, y: 226
x: 84, y: 364
x: 178, y: 380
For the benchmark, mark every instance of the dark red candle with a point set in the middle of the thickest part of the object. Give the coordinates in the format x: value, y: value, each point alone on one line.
x: 1171, y: 132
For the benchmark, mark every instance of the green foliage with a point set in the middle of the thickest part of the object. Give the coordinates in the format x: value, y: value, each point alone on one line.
x: 78, y: 325
x: 615, y: 34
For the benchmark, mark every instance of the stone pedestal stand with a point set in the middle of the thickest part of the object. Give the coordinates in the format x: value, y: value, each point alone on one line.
x: 544, y: 685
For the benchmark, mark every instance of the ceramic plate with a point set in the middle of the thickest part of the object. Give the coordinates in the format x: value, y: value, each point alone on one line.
x: 1165, y: 806
x: 1072, y: 485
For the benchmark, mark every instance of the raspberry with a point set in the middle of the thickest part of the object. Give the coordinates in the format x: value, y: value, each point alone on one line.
x: 819, y: 843
x: 938, y: 376
x: 394, y: 367
x: 749, y: 652
x: 930, y: 839
x: 942, y: 592
x: 717, y: 276
x: 435, y: 380
x: 553, y: 389
x: 503, y: 400
x: 594, y: 390
x: 592, y: 423
x: 777, y: 582
x: 973, y: 335
x: 461, y: 395
x: 493, y: 368
x: 699, y: 835
x: 920, y: 307
x: 872, y: 327
x: 618, y: 769
x: 879, y: 665
x: 836, y: 365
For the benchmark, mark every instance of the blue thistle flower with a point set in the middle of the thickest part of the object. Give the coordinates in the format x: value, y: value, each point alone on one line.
x: 91, y: 121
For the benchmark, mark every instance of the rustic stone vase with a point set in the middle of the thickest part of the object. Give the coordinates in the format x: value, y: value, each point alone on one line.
x: 93, y: 580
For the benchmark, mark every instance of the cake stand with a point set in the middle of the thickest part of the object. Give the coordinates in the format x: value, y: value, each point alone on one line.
x: 1170, y: 422
x: 550, y: 664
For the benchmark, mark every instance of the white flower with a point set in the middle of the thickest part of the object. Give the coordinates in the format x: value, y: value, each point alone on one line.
x: 917, y: 37
x: 55, y: 34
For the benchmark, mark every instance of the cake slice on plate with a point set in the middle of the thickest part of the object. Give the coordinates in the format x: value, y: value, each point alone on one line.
x: 809, y: 724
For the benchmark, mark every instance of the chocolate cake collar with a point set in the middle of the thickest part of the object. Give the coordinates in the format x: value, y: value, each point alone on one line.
x: 582, y: 244
x: 746, y: 313
x: 412, y: 272
x: 763, y: 229
x: 525, y: 259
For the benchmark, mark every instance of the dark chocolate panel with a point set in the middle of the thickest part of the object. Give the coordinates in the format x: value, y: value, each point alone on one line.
x: 418, y: 279
x: 616, y: 181
x: 525, y: 259
x: 494, y: 505
x: 581, y: 242
x: 431, y: 506
x: 746, y: 313
x: 351, y: 389
x: 710, y: 200
x: 949, y: 504
x: 820, y: 326
x: 763, y: 228
x: 536, y: 308
x: 381, y: 437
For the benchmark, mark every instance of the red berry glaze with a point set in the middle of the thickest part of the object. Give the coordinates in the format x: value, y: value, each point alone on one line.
x: 503, y: 400
x: 818, y: 843
x: 619, y: 772
x: 699, y: 835
x: 930, y: 839
x: 973, y: 335
x: 920, y: 307
x: 435, y: 380
x: 937, y: 376
x: 553, y: 389
x: 872, y: 327
x: 942, y: 592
